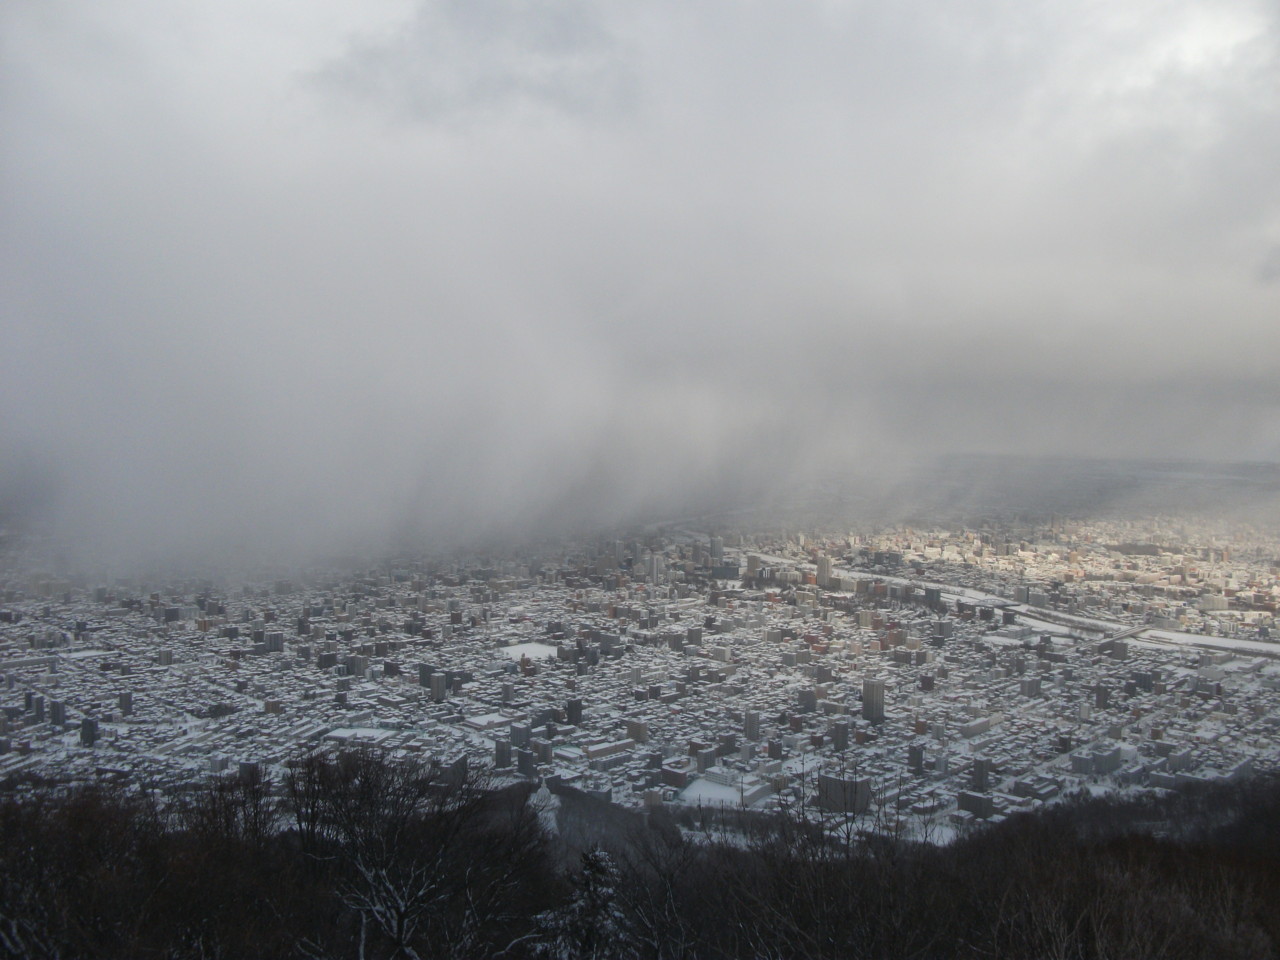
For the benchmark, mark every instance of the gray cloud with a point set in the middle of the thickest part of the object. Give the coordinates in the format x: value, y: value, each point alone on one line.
x: 457, y: 58
x: 1269, y: 269
x: 299, y: 275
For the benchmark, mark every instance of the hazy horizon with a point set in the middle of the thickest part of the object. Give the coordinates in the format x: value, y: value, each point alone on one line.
x: 306, y: 274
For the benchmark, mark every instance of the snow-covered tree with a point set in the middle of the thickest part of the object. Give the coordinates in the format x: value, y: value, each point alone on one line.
x: 592, y: 925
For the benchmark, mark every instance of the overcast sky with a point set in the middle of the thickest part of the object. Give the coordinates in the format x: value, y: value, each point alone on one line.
x: 300, y: 270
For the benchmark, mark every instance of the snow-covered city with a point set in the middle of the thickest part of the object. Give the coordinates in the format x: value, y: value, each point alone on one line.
x: 907, y: 680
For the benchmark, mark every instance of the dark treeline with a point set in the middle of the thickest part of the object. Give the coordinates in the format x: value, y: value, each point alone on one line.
x: 357, y: 857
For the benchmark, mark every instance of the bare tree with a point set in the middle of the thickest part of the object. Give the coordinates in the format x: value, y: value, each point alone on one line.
x: 426, y: 857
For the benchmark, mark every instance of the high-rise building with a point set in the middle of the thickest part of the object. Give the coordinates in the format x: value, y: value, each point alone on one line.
x: 915, y: 758
x: 840, y: 735
x: 502, y: 753
x: 873, y: 700
x: 526, y: 763
x: 981, y: 779
x: 824, y: 571
x: 844, y: 794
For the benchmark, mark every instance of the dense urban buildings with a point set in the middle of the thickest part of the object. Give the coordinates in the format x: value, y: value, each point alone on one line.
x: 908, y: 680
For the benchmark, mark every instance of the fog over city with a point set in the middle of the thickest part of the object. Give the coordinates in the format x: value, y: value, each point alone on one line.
x: 315, y: 273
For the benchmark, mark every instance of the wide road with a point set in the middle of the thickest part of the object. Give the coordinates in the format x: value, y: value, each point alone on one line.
x: 1098, y: 629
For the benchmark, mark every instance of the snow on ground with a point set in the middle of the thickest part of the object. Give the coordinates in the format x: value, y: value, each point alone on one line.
x: 704, y: 791
x: 358, y: 734
x: 1254, y: 647
x: 534, y: 651
x: 1042, y: 626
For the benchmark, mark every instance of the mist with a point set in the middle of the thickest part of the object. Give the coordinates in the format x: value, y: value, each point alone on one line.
x: 296, y: 276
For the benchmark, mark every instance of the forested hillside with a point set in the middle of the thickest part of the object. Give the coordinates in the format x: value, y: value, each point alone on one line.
x: 357, y: 857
